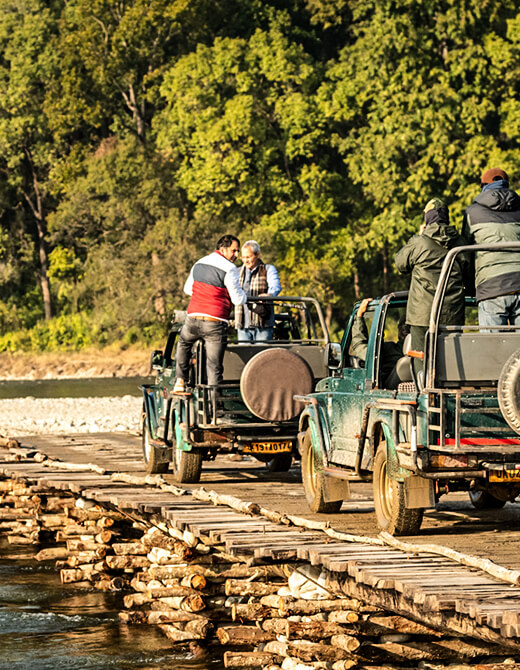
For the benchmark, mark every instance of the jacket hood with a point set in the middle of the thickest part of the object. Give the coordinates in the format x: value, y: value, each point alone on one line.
x: 499, y: 199
x: 444, y: 235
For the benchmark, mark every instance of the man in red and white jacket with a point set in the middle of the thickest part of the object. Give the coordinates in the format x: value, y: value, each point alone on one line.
x: 214, y: 286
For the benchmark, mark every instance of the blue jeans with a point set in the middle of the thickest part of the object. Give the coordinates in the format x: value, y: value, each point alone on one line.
x: 501, y: 311
x: 255, y: 334
x: 214, y: 334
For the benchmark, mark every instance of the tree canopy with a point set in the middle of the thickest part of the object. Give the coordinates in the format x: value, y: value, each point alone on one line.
x: 135, y: 133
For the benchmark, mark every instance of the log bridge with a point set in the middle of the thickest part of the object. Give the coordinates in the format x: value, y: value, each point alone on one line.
x: 264, y: 589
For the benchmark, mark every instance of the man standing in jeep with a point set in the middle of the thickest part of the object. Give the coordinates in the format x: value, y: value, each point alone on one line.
x: 494, y: 216
x: 214, y: 286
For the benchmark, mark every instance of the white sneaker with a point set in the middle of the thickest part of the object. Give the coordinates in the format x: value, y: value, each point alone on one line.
x: 180, y: 386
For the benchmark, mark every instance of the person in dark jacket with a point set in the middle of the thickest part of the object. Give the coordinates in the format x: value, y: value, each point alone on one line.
x: 494, y: 216
x: 422, y: 257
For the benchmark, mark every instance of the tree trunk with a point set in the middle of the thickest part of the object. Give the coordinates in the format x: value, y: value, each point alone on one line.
x: 36, y: 208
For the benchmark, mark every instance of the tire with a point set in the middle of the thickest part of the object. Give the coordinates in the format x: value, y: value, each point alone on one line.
x: 312, y: 481
x: 485, y: 500
x: 280, y: 463
x: 389, y: 500
x: 508, y: 391
x: 187, y: 466
x: 151, y: 463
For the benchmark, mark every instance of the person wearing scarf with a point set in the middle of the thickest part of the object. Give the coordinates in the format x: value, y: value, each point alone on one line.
x: 255, y: 321
x: 494, y: 216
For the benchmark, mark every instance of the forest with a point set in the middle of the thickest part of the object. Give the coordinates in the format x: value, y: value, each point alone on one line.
x: 134, y: 133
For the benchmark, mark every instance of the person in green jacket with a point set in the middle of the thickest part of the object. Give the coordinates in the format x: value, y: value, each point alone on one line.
x: 422, y: 257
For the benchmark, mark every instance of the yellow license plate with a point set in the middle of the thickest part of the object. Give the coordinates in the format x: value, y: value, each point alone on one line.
x: 267, y: 447
x: 504, y: 476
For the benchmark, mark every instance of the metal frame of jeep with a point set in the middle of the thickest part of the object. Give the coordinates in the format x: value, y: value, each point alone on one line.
x: 454, y: 432
x: 187, y: 429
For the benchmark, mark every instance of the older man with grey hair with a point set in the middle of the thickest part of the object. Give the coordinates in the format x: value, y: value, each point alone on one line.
x: 255, y: 321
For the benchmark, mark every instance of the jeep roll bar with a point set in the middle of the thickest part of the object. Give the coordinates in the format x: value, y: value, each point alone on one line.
x: 440, y: 292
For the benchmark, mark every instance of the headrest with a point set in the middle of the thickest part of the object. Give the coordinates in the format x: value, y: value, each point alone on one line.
x: 407, y: 343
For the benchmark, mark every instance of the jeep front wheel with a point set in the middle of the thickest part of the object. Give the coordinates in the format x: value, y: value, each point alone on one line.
x: 312, y: 478
x: 152, y: 464
x: 389, y: 500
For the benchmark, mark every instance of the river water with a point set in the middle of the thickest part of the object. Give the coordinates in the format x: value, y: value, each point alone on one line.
x: 46, y: 625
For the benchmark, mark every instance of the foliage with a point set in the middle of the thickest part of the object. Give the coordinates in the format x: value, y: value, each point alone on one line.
x: 134, y: 134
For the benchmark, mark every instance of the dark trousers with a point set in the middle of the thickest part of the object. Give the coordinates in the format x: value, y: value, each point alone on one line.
x: 214, y: 334
x: 418, y: 334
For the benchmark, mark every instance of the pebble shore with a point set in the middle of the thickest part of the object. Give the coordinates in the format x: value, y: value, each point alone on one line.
x: 62, y: 416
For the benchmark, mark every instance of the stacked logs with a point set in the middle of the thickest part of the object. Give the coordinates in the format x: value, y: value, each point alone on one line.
x: 201, y: 597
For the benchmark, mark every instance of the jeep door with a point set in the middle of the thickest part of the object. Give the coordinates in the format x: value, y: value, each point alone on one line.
x: 348, y: 392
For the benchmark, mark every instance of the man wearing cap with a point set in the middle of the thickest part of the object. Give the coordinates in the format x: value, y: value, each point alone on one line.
x: 214, y: 287
x: 494, y: 216
x: 422, y: 257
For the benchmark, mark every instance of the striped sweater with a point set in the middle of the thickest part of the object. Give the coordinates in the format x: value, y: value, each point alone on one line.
x: 214, y: 286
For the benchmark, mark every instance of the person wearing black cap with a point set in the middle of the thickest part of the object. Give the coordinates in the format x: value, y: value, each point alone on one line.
x: 422, y: 257
x: 494, y: 216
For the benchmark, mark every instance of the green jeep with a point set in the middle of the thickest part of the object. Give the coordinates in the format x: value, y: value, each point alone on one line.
x: 253, y: 410
x: 451, y: 422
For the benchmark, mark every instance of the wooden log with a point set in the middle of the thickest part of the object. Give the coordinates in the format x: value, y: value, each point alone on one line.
x: 346, y: 642
x: 8, y: 514
x: 308, y: 630
x: 31, y: 538
x: 169, y: 592
x: 193, y: 603
x: 306, y: 651
x: 129, y: 548
x: 242, y: 587
x: 69, y: 576
x: 86, y: 545
x: 51, y: 553
x: 82, y: 557
x: 136, y: 600
x: 174, y: 634
x: 252, y: 612
x: 114, y: 584
x: 194, y: 581
x: 379, y: 624
x: 343, y: 616
x: 53, y: 520
x: 344, y: 664
x: 249, y: 659
x: 287, y: 605
x: 243, y: 635
x: 158, y: 539
x: 127, y: 562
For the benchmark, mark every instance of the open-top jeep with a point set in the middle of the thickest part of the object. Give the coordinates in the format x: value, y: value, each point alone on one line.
x: 253, y: 411
x: 451, y: 423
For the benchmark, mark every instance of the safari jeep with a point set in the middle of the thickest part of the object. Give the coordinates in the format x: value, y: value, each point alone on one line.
x: 252, y: 412
x: 452, y: 423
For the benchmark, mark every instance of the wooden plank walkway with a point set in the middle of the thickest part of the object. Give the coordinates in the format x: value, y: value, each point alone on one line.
x: 432, y: 589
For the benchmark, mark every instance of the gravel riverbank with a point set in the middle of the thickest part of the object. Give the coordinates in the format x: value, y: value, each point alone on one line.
x: 61, y: 416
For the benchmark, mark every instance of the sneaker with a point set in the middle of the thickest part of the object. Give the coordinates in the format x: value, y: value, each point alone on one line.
x: 180, y: 386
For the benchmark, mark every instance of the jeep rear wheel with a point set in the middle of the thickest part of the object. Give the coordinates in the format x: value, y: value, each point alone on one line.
x: 485, y: 500
x: 152, y: 464
x: 389, y: 500
x: 280, y: 463
x: 312, y: 478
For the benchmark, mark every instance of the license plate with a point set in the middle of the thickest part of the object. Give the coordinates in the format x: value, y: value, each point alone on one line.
x: 267, y: 447
x: 504, y: 476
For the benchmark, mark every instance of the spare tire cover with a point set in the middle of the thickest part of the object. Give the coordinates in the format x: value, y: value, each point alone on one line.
x: 508, y: 391
x: 269, y: 381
